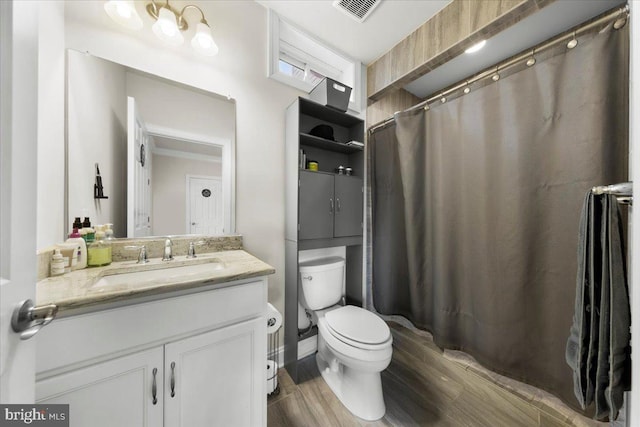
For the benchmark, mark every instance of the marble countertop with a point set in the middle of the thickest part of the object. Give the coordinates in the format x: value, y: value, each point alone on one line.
x: 81, y: 289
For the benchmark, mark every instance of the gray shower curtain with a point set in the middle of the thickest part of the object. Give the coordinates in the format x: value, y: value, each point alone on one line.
x: 476, y: 205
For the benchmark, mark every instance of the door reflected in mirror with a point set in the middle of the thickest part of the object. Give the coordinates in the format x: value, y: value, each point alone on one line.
x: 165, y: 152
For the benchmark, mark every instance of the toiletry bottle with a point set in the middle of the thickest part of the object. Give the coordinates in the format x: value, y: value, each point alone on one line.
x: 99, y: 251
x: 89, y: 233
x: 108, y: 232
x: 69, y: 253
x: 81, y: 249
x: 77, y: 223
x: 57, y: 263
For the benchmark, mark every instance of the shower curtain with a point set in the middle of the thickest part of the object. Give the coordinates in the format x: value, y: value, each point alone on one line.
x: 476, y: 202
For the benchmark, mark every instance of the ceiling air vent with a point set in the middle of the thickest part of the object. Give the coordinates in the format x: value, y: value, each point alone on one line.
x: 357, y: 9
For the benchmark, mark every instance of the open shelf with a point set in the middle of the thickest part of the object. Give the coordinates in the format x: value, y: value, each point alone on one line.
x: 327, y: 144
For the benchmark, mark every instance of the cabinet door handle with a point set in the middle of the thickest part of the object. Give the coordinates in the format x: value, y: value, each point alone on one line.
x: 173, y: 379
x: 338, y: 207
x: 154, y: 387
x: 330, y: 206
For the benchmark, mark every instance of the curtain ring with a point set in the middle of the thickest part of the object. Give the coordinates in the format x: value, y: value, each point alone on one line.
x: 467, y: 89
x: 532, y: 60
x: 496, y: 75
x: 622, y: 18
x: 573, y: 42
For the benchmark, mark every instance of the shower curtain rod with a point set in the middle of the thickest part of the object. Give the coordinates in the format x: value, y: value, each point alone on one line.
x: 621, y: 14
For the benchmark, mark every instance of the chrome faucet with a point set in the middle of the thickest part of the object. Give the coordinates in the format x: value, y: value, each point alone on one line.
x: 167, y: 255
x: 142, y: 255
x: 192, y: 248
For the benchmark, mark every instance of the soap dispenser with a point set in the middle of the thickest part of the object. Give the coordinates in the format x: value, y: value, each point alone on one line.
x: 57, y: 263
x: 99, y: 251
x: 76, y: 238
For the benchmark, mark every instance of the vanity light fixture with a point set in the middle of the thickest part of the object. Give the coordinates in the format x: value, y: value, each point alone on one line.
x: 476, y: 47
x: 124, y: 13
x: 169, y: 25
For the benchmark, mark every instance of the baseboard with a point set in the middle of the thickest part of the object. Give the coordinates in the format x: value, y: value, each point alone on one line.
x: 307, y: 347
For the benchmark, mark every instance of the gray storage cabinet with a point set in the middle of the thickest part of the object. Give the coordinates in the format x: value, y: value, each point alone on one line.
x: 330, y: 205
x: 322, y: 209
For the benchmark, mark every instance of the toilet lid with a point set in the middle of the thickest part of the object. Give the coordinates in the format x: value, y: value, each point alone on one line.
x: 358, y: 324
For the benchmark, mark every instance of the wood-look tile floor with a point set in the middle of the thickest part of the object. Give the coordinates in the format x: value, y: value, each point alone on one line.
x: 421, y: 388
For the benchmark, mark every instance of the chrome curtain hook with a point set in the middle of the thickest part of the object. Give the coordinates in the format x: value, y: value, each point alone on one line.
x: 532, y: 60
x: 573, y: 42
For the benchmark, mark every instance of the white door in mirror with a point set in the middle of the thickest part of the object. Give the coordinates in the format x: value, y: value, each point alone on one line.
x: 204, y: 205
x: 138, y: 173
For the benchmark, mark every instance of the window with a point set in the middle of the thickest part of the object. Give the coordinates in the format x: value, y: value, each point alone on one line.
x: 298, y: 60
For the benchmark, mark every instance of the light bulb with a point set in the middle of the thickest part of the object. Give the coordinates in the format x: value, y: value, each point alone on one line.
x: 203, y: 41
x: 166, y: 28
x: 124, y: 13
x: 476, y: 47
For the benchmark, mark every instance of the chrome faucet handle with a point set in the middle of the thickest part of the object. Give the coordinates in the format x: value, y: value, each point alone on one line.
x: 167, y: 255
x: 192, y: 248
x: 142, y: 255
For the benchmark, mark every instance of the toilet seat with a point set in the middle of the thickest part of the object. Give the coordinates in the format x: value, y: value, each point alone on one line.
x: 358, y: 328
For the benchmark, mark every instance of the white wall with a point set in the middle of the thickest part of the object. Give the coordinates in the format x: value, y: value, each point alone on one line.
x: 51, y: 150
x: 180, y: 107
x: 633, y: 398
x: 169, y: 191
x: 97, y: 133
x: 239, y: 70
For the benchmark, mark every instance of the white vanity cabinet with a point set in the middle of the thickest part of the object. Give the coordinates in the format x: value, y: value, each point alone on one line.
x: 208, y: 350
x: 117, y: 392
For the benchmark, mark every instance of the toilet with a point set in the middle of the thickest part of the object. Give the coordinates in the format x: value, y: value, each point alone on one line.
x: 354, y: 345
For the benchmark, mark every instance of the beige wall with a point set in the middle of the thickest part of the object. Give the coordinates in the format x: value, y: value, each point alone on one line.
x: 169, y: 191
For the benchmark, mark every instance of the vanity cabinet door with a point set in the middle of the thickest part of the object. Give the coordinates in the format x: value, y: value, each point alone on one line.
x: 118, y: 392
x: 217, y: 378
x: 349, y: 206
x: 317, y: 204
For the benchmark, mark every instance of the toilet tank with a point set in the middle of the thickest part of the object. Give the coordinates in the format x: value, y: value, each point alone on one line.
x: 322, y: 282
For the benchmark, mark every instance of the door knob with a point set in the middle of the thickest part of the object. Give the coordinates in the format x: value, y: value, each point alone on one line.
x: 27, y: 319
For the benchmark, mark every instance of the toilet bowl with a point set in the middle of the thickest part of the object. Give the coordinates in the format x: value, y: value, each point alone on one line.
x: 351, y: 363
x: 354, y: 345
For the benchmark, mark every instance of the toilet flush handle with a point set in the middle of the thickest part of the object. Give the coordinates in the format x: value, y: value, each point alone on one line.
x: 309, y: 278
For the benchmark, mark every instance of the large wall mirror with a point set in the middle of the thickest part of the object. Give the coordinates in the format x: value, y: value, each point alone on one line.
x: 149, y: 155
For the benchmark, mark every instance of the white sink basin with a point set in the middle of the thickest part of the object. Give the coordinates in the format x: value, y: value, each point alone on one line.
x: 169, y: 274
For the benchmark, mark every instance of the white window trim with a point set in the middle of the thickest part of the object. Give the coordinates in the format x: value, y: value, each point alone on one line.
x: 317, y: 59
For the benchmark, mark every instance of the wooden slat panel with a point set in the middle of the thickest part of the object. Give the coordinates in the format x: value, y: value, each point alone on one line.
x: 443, y: 37
x: 385, y: 108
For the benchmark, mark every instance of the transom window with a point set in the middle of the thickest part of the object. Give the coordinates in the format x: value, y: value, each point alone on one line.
x: 301, y: 61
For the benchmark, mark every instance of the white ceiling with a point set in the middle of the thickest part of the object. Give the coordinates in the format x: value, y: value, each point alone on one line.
x: 387, y: 25
x: 167, y: 143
